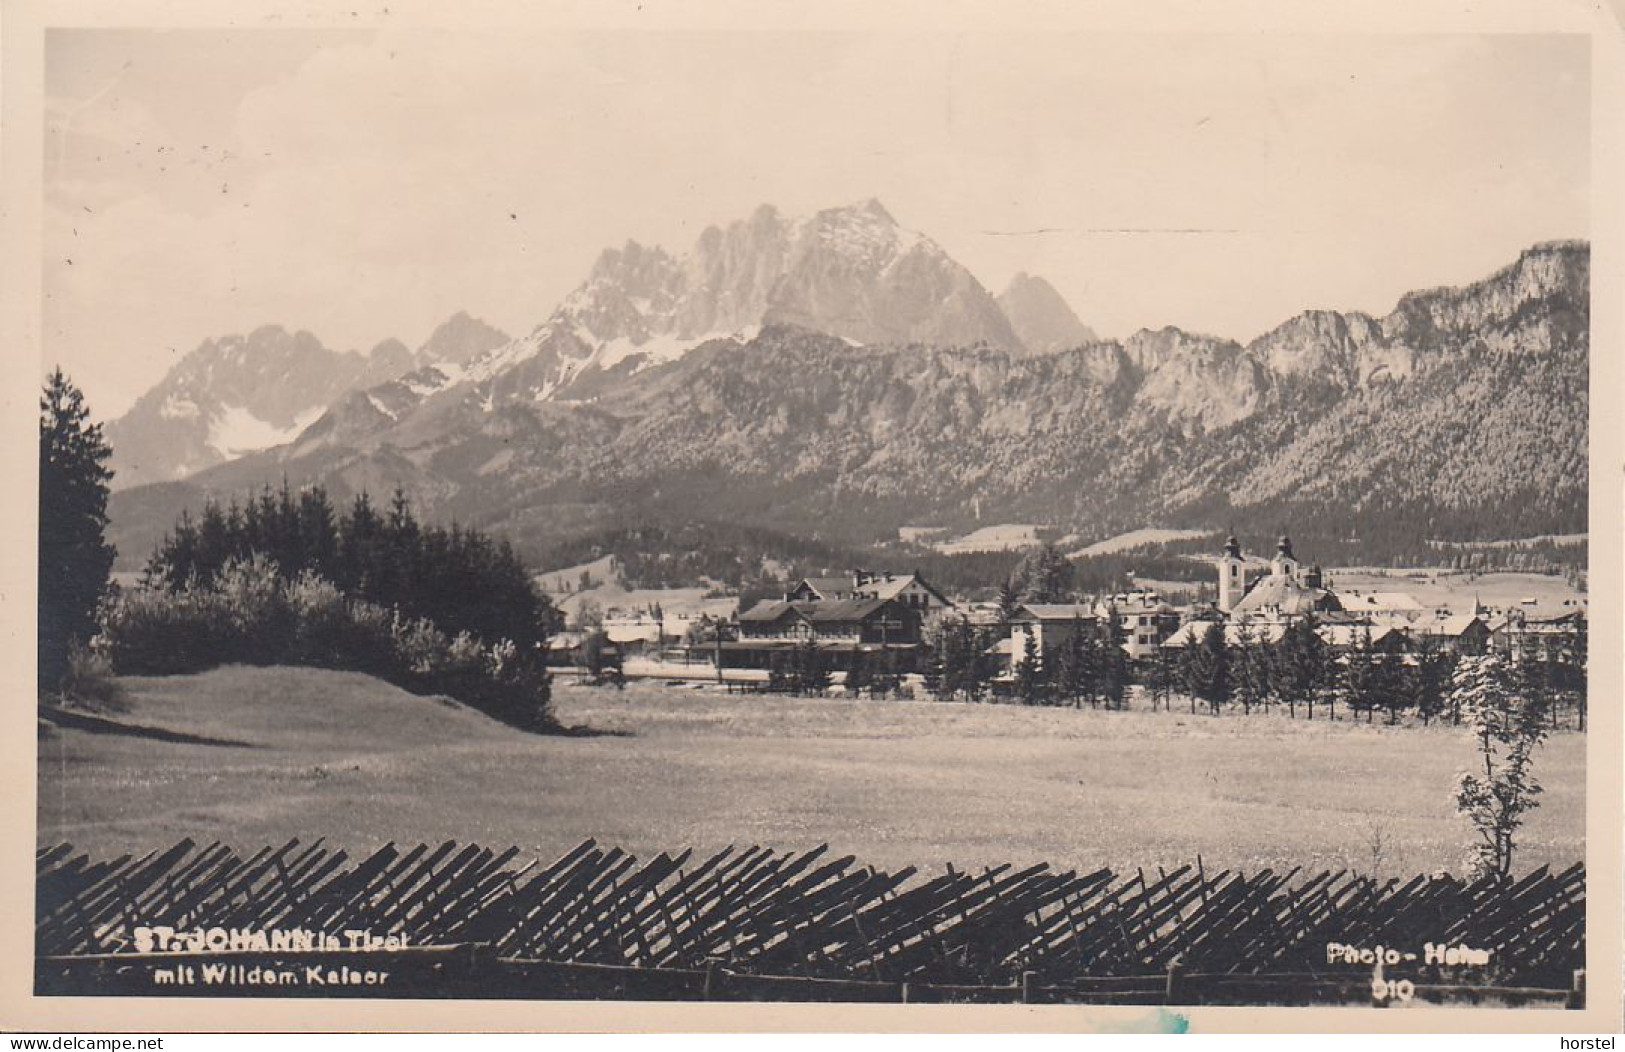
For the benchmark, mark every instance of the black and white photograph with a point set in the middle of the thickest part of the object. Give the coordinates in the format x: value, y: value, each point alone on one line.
x: 822, y: 512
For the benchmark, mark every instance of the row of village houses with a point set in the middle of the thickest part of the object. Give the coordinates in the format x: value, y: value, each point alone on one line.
x: 872, y: 613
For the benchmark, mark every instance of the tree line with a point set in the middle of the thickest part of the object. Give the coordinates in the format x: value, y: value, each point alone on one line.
x: 461, y: 579
x: 1299, y: 671
x: 282, y: 579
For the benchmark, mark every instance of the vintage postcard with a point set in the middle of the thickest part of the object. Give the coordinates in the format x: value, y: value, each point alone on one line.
x: 739, y: 517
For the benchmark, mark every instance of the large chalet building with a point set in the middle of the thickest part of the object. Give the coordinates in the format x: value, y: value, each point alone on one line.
x: 864, y: 614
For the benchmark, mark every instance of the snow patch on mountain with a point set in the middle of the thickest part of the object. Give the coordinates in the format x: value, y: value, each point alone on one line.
x: 179, y: 407
x: 235, y: 431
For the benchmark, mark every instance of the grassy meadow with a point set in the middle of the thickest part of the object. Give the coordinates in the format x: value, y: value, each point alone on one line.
x: 309, y: 753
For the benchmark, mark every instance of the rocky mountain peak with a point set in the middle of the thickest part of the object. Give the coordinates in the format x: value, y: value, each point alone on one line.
x: 865, y: 232
x: 458, y: 339
x: 1330, y: 347
x: 871, y: 206
x: 854, y: 272
x: 237, y: 394
x: 850, y: 271
x: 1041, y: 318
x: 1196, y: 379
x: 388, y: 359
x: 1555, y: 273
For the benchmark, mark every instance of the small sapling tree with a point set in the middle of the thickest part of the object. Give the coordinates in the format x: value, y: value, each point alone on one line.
x: 1506, y: 728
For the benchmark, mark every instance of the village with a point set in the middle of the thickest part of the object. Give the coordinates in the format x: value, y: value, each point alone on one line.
x: 868, y: 622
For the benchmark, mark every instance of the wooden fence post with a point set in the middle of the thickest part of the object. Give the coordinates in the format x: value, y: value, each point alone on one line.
x: 1171, y: 989
x: 710, y: 991
x: 1577, y: 990
x: 903, y: 994
x: 1027, y: 986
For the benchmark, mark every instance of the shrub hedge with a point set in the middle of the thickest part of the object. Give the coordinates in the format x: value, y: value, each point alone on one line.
x: 248, y: 613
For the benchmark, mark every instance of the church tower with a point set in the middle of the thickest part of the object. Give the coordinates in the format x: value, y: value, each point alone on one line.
x: 1285, y: 564
x: 1232, y: 575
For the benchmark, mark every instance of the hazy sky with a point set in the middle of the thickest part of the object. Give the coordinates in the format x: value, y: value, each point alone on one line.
x: 365, y: 184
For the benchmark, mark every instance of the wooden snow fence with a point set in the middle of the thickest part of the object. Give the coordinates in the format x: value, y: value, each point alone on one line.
x: 760, y: 924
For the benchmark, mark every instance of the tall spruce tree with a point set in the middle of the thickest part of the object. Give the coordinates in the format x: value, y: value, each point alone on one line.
x: 1111, y: 659
x: 1010, y: 597
x: 1205, y: 669
x: 1357, y: 678
x: 1072, y: 674
x: 1248, y: 670
x: 1047, y: 575
x: 74, y: 556
x: 1032, y: 677
x: 1300, y: 666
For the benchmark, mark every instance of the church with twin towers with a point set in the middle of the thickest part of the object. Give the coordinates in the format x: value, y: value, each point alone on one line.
x: 1288, y: 590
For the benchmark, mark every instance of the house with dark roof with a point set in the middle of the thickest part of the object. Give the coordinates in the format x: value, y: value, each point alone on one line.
x: 846, y: 630
x: 911, y: 590
x: 1461, y: 633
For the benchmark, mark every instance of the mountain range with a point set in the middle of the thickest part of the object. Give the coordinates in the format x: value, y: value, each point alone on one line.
x: 839, y: 376
x: 236, y: 395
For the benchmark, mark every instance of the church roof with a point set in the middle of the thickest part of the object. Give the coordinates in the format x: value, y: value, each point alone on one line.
x: 1280, y: 593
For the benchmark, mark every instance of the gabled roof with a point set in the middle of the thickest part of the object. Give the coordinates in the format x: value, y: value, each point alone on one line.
x: 1379, y: 601
x: 827, y: 587
x: 1346, y: 635
x: 843, y: 610
x: 1448, y: 626
x: 893, y: 588
x: 817, y: 611
x: 768, y: 610
x: 647, y: 632
x: 1054, y: 612
x: 830, y: 588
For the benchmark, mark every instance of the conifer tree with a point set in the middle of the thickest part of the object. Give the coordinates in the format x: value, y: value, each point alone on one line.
x: 1072, y: 673
x: 1205, y: 669
x: 1356, y: 679
x: 1299, y: 666
x: 1249, y: 669
x: 1111, y: 660
x: 1031, y: 676
x: 74, y: 556
x: 1047, y: 574
x: 1010, y: 597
